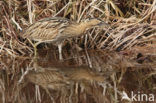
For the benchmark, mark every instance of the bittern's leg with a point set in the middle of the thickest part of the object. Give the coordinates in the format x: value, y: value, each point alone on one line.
x: 60, y: 51
x: 35, y: 49
x: 34, y: 46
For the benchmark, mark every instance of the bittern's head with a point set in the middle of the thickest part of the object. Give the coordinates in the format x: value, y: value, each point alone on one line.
x: 93, y: 22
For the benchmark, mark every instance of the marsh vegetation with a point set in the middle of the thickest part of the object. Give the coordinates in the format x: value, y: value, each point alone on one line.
x: 97, y: 67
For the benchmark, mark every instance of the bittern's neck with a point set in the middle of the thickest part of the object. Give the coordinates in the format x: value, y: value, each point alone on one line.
x: 85, y: 25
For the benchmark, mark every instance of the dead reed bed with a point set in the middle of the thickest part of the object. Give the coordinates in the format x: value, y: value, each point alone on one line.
x: 131, y: 38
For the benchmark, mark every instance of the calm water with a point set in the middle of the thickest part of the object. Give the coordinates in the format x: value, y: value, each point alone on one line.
x: 123, y: 72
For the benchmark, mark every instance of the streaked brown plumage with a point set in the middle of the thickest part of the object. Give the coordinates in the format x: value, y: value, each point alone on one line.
x: 52, y: 77
x: 56, y: 29
x: 62, y: 78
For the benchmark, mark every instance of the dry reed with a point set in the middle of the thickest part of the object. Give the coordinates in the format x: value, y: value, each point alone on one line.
x: 132, y: 33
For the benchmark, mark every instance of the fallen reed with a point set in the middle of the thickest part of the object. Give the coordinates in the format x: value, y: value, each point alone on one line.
x: 131, y: 36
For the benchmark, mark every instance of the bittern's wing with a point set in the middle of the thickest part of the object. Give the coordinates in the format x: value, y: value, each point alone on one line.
x: 46, y: 29
x: 45, y: 78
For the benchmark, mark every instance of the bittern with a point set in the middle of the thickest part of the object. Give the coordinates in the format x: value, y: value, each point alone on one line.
x: 55, y: 78
x: 62, y: 78
x: 57, y: 29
